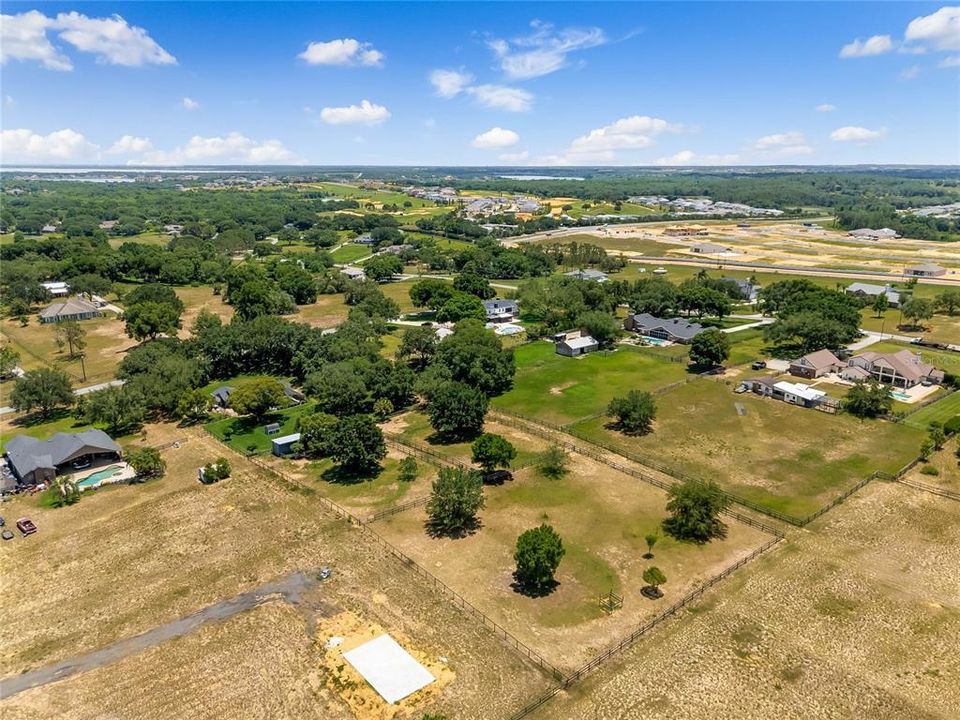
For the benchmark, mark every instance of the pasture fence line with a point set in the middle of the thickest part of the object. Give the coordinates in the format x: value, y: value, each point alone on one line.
x: 933, y: 489
x: 412, y: 447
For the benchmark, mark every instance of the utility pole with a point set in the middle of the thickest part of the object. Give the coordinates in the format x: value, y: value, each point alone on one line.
x: 83, y: 368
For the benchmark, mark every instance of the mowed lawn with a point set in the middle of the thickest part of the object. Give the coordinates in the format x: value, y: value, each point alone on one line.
x: 562, y: 390
x: 350, y: 252
x: 789, y: 459
x: 940, y: 411
x: 246, y: 435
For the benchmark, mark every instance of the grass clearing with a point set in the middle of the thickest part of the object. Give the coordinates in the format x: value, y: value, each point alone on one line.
x: 247, y: 435
x: 562, y: 390
x: 940, y: 411
x: 789, y: 459
x: 350, y: 252
x: 198, y: 299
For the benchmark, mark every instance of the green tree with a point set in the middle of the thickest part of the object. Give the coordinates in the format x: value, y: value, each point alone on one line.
x: 194, y: 405
x: 356, y: 444
x: 926, y: 448
x: 457, y: 410
x: 73, y: 335
x: 538, y: 554
x: 695, y: 509
x: 383, y: 267
x: 9, y: 359
x: 868, y: 399
x: 634, y: 413
x: 455, y: 499
x: 382, y: 408
x: 339, y: 389
x: 418, y: 345
x: 42, y: 389
x: 315, y: 431
x: 146, y: 462
x: 475, y: 356
x: 260, y: 297
x: 431, y: 293
x: 651, y: 540
x: 258, y: 397
x: 462, y: 306
x: 493, y: 451
x: 147, y: 320
x: 474, y: 284
x: 601, y: 326
x: 121, y: 408
x: 216, y: 471
x: 552, y: 462
x: 654, y: 577
x: 948, y: 301
x: 63, y: 491
x: 407, y: 469
x: 917, y: 310
x: 937, y: 436
x: 880, y: 304
x: 710, y: 348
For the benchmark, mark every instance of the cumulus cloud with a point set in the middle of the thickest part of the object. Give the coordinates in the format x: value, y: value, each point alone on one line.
x: 366, y: 113
x: 111, y: 40
x: 342, y: 52
x: 449, y: 83
x: 26, y: 146
x: 544, y: 51
x: 190, y: 103
x: 130, y: 145
x: 940, y: 29
x: 688, y: 157
x: 502, y: 97
x: 950, y: 62
x: 826, y: 107
x: 516, y: 157
x: 875, y: 45
x: 783, y: 144
x: 497, y: 137
x: 602, y: 144
x: 854, y: 133
x: 233, y: 149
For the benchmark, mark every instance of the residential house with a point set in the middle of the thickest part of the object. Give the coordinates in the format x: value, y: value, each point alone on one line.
x: 499, y: 310
x: 867, y: 291
x: 221, y: 396
x: 354, y: 273
x: 577, y: 346
x: 442, y: 332
x: 815, y: 364
x: 48, y: 228
x: 173, y: 229
x: 36, y: 461
x: 902, y: 369
x: 366, y: 239
x: 588, y: 274
x: 678, y: 330
x: 925, y: 270
x: 760, y: 385
x: 108, y: 224
x: 798, y: 394
x: 748, y: 291
x: 75, y: 308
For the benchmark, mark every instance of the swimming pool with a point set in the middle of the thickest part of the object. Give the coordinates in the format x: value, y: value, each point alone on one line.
x: 99, y: 477
x: 901, y: 396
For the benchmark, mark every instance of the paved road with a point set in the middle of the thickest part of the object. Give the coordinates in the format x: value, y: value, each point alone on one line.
x: 289, y: 588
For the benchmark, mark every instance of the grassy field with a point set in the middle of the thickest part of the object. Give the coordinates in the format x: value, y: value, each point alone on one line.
x: 158, y: 239
x: 854, y: 617
x: 940, y: 328
x: 246, y: 435
x: 602, y: 517
x: 350, y: 252
x: 196, y: 299
x: 940, y: 411
x: 789, y: 459
x: 561, y: 390
x: 415, y: 427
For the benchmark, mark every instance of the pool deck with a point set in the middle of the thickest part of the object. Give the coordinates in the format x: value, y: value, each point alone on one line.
x: 123, y: 472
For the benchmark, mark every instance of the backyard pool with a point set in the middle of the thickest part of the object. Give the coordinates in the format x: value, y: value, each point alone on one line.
x: 99, y: 477
x: 901, y: 396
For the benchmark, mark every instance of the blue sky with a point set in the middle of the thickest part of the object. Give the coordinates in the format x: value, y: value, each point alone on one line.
x: 481, y: 83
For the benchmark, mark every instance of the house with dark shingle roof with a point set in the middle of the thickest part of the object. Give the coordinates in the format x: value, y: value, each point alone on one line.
x: 75, y: 308
x: 35, y: 461
x: 815, y: 364
x: 678, y: 330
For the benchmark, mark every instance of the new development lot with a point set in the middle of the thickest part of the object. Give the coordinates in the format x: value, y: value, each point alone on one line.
x: 602, y: 516
x: 855, y: 618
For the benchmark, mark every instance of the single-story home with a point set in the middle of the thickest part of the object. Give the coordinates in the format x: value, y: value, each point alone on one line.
x: 577, y: 346
x: 815, y: 364
x: 679, y: 330
x: 75, y: 308
x: 501, y: 310
x: 221, y: 396
x: 748, y: 291
x: 48, y: 228
x: 35, y: 461
x: 284, y: 445
x: 57, y: 289
x: 354, y: 273
x: 798, y: 394
x: 588, y: 274
x: 867, y: 290
x: 902, y: 369
x: 760, y: 385
x: 925, y: 270
x: 108, y: 224
x: 365, y: 240
x: 710, y: 249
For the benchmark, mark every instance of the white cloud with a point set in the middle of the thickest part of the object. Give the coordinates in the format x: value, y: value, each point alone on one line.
x: 826, y: 107
x: 688, y: 157
x: 853, y: 133
x: 112, y: 40
x: 26, y: 146
x: 24, y: 37
x: 783, y: 144
x: 366, y: 113
x: 951, y: 61
x: 502, y: 97
x: 232, y: 149
x: 449, y: 83
x: 544, y: 51
x: 190, y: 103
x: 130, y: 145
x: 497, y: 137
x: 875, y: 45
x: 940, y: 29
x: 342, y: 52
x: 910, y: 73
x: 601, y: 144
x: 516, y: 157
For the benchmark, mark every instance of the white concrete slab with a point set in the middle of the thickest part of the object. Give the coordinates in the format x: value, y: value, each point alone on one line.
x: 390, y: 670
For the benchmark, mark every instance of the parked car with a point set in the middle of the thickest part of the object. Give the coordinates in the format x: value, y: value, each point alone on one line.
x: 6, y: 535
x: 26, y: 526
x: 81, y: 464
x: 759, y: 364
x: 497, y: 477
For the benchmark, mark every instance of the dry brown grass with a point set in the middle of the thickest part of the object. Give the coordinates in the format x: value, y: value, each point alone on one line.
x: 856, y: 617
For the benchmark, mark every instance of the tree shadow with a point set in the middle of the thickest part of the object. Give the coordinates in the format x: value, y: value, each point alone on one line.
x: 452, y: 439
x: 533, y: 591
x: 37, y: 418
x: 616, y: 426
x: 457, y: 533
x: 339, y: 475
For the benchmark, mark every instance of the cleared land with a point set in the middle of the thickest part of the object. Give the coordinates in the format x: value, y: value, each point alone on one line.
x: 859, y: 618
x: 789, y: 459
x: 562, y: 390
x: 602, y: 516
x: 197, y: 299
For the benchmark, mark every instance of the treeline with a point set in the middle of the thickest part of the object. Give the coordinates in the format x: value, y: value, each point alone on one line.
x: 907, y: 224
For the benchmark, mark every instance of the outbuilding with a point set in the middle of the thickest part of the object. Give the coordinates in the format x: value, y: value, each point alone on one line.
x: 284, y: 445
x: 577, y: 346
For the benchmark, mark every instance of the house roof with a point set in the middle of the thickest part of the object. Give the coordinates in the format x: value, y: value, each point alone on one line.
x: 678, y: 327
x: 855, y: 371
x: 580, y: 342
x: 71, y: 306
x: 27, y: 454
x: 903, y: 362
x: 352, y: 271
x: 588, y: 274
x: 873, y: 290
x: 711, y: 248
x: 286, y: 439
x: 821, y: 359
x: 497, y: 304
x: 925, y: 267
x: 222, y: 393
x: 800, y: 390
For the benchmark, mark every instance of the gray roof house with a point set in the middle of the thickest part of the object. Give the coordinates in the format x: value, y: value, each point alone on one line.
x: 75, y: 308
x: 35, y: 461
x: 221, y: 396
x: 354, y: 273
x: 577, y: 346
x: 867, y: 290
x: 678, y: 330
x: 588, y: 274
x: 499, y: 310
